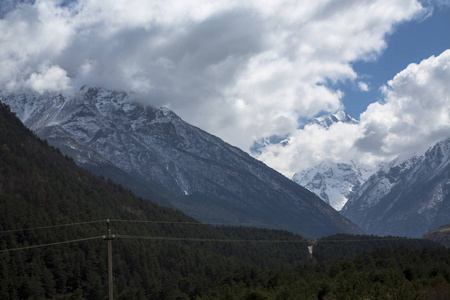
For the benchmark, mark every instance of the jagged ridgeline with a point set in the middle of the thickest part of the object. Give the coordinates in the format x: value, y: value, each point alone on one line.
x: 41, y: 190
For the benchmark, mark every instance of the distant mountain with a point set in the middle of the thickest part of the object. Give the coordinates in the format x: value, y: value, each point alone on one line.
x: 405, y: 197
x: 207, y: 178
x: 333, y: 182
x: 327, y: 120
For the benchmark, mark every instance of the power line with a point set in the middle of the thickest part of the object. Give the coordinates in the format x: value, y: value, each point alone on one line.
x: 205, y: 239
x: 160, y: 222
x: 50, y: 244
x: 206, y: 223
x: 364, y: 240
x: 185, y: 239
x: 51, y: 226
x: 249, y: 241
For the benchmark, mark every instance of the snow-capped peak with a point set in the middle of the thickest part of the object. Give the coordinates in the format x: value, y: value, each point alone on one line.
x: 333, y: 182
x: 327, y: 120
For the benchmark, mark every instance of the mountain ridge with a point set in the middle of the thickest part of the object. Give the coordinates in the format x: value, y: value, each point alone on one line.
x: 212, y: 181
x: 406, y: 197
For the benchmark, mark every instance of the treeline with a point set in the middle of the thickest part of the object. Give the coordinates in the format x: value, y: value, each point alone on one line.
x: 400, y: 273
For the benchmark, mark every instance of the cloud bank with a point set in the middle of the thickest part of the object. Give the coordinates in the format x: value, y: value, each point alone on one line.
x: 238, y: 69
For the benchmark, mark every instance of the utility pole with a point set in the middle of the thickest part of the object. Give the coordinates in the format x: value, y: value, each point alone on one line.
x: 109, y: 237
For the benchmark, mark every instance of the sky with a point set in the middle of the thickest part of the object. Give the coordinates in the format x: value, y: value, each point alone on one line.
x: 243, y: 70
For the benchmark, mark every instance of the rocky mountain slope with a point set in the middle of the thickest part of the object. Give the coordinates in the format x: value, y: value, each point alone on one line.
x: 406, y: 198
x: 143, y: 146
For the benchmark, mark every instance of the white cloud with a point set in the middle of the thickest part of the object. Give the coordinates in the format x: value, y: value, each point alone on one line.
x: 416, y: 112
x: 48, y: 79
x: 363, y: 86
x: 240, y: 70
x: 31, y: 37
x: 310, y: 146
x: 414, y: 115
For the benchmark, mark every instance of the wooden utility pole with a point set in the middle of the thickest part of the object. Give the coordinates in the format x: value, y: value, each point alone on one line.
x: 109, y: 237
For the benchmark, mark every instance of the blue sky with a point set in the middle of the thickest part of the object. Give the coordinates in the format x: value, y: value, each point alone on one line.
x: 411, y: 42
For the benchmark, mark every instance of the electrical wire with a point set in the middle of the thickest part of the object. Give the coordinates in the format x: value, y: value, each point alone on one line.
x: 206, y: 223
x: 51, y: 226
x: 181, y: 238
x: 165, y: 238
x: 159, y: 222
x: 50, y: 244
x: 363, y: 240
x: 251, y: 241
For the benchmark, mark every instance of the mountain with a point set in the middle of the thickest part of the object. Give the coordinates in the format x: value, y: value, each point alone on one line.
x: 206, y: 178
x: 333, y: 182
x: 405, y: 197
x: 53, y: 215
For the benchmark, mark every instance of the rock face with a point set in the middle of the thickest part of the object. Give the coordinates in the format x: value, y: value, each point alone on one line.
x: 332, y: 182
x: 141, y: 147
x: 406, y: 198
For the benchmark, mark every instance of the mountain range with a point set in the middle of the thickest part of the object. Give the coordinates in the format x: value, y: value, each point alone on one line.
x: 52, y: 215
x: 140, y: 146
x: 405, y: 197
